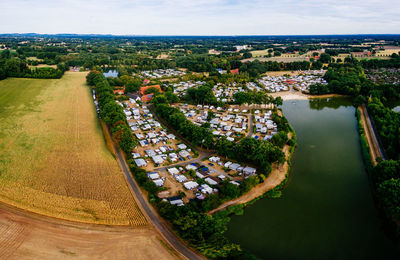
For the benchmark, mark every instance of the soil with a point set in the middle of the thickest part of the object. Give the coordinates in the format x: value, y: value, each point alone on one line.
x: 25, y: 235
x: 276, y: 177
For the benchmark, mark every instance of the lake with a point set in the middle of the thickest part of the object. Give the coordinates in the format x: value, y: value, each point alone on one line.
x: 394, y: 105
x: 110, y: 73
x: 326, y: 210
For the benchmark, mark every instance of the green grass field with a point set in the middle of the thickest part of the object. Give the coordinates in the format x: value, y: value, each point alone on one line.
x: 53, y: 156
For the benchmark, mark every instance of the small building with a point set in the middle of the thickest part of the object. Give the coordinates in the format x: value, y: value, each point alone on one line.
x: 140, y: 162
x: 180, y: 178
x: 249, y: 170
x: 191, y: 167
x: 173, y: 171
x: 227, y: 164
x: 158, y: 182
x: 184, y: 154
x: 235, y: 71
x: 201, y: 175
x: 135, y: 155
x: 214, y: 159
x: 146, y: 98
x: 173, y: 156
x: 153, y: 175
x: 142, y: 90
x: 119, y: 91
x: 210, y: 180
x: 145, y: 82
x: 176, y: 201
x: 157, y: 159
x: 234, y: 166
x: 150, y: 152
x: 143, y: 143
x: 181, y: 146
x: 171, y: 136
x: 204, y: 188
x: 190, y: 185
x: 235, y: 183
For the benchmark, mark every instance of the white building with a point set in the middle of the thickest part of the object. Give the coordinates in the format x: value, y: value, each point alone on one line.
x: 140, y: 162
x: 190, y: 185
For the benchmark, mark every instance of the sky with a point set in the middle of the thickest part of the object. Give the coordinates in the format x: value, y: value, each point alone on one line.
x: 200, y: 17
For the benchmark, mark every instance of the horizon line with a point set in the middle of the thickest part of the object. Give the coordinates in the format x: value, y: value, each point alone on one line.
x: 196, y: 35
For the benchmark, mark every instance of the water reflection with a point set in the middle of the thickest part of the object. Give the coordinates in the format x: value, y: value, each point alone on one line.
x: 335, y: 103
x: 111, y: 73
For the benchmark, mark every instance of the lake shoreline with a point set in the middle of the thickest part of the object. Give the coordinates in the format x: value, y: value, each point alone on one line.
x: 277, y: 177
x: 328, y: 159
x: 290, y: 95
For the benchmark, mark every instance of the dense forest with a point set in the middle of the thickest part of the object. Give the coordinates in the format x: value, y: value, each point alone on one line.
x: 386, y: 174
x: 11, y: 66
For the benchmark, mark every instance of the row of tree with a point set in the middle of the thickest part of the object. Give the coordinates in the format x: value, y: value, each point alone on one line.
x: 112, y: 113
x: 259, y: 97
x: 387, y: 124
x: 386, y: 175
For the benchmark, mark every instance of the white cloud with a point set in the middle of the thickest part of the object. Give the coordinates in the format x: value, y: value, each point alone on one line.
x: 200, y: 17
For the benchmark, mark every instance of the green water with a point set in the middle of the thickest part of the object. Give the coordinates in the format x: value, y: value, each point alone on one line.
x: 326, y: 210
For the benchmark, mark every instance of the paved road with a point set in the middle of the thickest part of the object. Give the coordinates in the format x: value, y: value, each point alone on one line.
x: 160, y: 225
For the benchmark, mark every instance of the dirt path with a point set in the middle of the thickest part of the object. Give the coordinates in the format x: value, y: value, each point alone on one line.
x: 374, y: 148
x: 26, y: 235
x: 276, y: 177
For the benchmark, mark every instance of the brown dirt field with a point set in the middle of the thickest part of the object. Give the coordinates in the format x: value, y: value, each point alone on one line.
x: 279, y: 59
x: 43, y: 66
x: 163, y: 56
x: 55, y: 160
x: 373, y: 146
x: 26, y: 237
x: 276, y: 177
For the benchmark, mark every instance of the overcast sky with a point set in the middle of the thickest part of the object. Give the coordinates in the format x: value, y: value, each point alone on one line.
x: 200, y: 17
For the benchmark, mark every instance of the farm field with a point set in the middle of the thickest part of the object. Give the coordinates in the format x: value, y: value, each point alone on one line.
x: 24, y: 236
x: 259, y: 53
x: 279, y: 59
x: 53, y: 157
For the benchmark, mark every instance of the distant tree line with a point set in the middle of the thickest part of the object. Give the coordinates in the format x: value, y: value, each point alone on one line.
x: 16, y: 67
x: 377, y: 63
x: 259, y: 97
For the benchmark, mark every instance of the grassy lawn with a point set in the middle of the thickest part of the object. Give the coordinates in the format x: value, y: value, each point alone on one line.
x: 53, y: 156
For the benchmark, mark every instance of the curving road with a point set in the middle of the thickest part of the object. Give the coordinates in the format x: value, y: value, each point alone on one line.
x: 155, y: 219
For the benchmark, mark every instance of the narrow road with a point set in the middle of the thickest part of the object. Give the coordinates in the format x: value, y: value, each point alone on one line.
x: 199, y: 159
x: 251, y: 127
x: 159, y: 224
x: 370, y: 131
